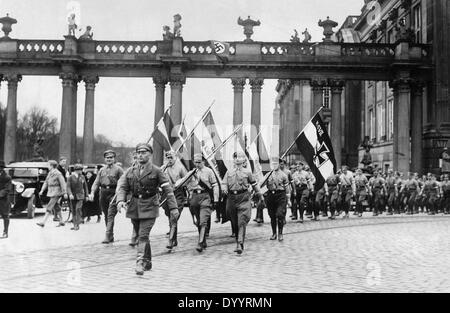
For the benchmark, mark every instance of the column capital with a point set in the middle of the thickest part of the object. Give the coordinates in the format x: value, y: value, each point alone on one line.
x: 256, y: 84
x: 238, y: 84
x: 90, y: 81
x: 402, y: 84
x: 12, y: 79
x: 177, y: 80
x: 69, y: 79
x: 318, y: 83
x: 336, y: 85
x: 160, y: 82
x: 417, y: 86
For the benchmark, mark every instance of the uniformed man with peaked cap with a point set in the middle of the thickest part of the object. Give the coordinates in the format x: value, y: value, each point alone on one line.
x: 106, y: 180
x: 236, y: 185
x: 175, y: 171
x: 142, y: 181
x: 204, y: 194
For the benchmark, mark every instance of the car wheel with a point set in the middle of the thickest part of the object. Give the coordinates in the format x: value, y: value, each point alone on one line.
x: 31, y: 207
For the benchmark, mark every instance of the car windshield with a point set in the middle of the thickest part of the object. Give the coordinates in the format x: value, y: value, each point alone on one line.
x: 26, y: 172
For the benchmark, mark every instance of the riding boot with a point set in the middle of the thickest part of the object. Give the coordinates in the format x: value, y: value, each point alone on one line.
x: 201, y: 238
x: 280, y: 229
x: 273, y: 223
x: 5, y: 226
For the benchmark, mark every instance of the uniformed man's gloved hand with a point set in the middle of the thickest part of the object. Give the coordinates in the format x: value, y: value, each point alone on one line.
x: 174, y: 214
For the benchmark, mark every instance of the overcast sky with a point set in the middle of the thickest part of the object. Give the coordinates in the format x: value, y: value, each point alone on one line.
x: 124, y: 107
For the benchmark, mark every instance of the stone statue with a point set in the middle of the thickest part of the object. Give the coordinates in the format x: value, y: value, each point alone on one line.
x: 71, y: 24
x: 307, y: 36
x: 248, y: 27
x: 294, y: 38
x: 87, y: 34
x: 404, y: 33
x: 167, y: 35
x: 176, y: 25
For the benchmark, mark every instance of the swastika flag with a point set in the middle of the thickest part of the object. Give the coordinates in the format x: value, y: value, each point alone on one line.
x: 314, y: 144
x: 221, y: 50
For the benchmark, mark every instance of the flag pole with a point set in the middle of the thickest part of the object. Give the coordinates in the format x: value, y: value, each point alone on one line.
x: 225, y: 141
x: 156, y: 126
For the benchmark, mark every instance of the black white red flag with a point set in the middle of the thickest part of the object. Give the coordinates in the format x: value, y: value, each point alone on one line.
x: 314, y: 144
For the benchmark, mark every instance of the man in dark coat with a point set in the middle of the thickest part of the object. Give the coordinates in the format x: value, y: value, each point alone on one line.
x: 5, y: 206
x: 142, y: 182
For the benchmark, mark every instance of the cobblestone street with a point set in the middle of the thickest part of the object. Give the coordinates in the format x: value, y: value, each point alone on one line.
x: 369, y: 254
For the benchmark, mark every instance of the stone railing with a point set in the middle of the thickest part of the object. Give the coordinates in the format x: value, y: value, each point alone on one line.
x: 289, y: 48
x: 40, y: 47
x: 128, y: 47
x: 204, y: 47
x: 367, y: 50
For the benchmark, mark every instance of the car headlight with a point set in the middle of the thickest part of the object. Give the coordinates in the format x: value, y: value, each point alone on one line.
x: 20, y: 187
x: 41, y: 171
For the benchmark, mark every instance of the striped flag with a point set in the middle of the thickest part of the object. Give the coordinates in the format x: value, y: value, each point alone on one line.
x: 160, y: 134
x: 314, y: 143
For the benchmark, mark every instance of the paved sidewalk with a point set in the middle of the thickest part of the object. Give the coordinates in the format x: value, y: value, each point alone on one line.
x: 369, y: 254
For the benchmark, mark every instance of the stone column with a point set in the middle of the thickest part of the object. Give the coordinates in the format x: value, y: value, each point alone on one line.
x: 73, y: 121
x: 238, y: 109
x: 336, y: 128
x: 66, y: 131
x: 417, y: 127
x: 317, y: 86
x: 402, y: 99
x: 255, y: 121
x: 88, y: 133
x: 11, y: 118
x: 176, y: 93
x: 160, y: 87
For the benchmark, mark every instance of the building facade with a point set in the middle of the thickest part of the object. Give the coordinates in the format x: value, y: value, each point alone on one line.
x: 367, y: 108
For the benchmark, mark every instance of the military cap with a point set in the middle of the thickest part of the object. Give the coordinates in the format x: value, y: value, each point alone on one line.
x: 199, y: 157
x: 2, y: 164
x: 109, y: 152
x: 282, y: 161
x: 358, y: 170
x: 77, y: 167
x: 144, y: 146
x: 171, y: 153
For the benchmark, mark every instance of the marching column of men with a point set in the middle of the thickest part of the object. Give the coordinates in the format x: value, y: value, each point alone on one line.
x: 138, y: 191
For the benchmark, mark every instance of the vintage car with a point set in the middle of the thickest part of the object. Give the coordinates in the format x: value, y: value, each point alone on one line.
x: 27, y: 180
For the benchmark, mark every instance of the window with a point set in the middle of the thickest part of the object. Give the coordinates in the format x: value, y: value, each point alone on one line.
x: 417, y: 27
x: 372, y: 125
x: 390, y: 107
x: 381, y: 122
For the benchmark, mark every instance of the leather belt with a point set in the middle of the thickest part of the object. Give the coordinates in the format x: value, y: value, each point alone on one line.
x: 198, y: 191
x: 302, y: 186
x: 108, y: 186
x: 144, y: 196
x: 237, y: 192
x: 276, y: 191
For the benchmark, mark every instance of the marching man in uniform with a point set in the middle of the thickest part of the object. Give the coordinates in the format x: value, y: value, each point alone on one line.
x: 236, y: 184
x: 204, y: 194
x: 142, y: 181
x: 175, y: 171
x: 107, y: 179
x: 362, y: 189
x: 276, y: 199
x: 347, y: 189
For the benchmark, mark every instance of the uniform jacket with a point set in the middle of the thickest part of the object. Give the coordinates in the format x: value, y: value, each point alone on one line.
x: 107, y: 176
x: 144, y: 182
x: 77, y: 187
x: 278, y: 180
x: 238, y: 179
x: 207, y: 176
x: 54, y: 183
